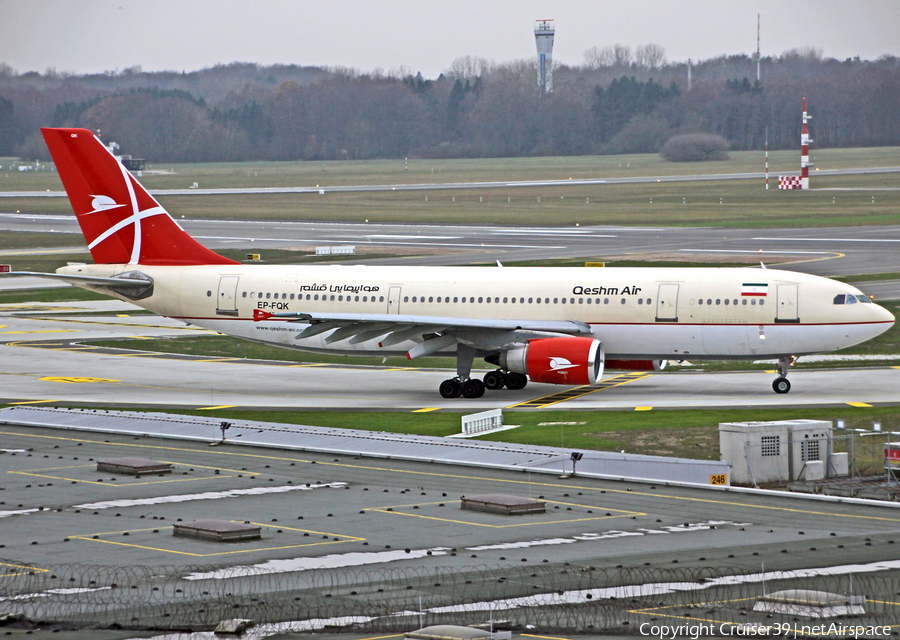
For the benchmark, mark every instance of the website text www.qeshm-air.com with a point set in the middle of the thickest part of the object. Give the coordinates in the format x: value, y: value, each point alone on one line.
x: 785, y: 630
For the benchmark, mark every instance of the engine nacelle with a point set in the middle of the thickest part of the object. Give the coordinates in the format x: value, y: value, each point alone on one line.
x: 637, y: 365
x: 556, y: 360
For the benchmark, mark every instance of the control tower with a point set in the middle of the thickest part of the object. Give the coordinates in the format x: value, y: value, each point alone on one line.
x: 543, y: 38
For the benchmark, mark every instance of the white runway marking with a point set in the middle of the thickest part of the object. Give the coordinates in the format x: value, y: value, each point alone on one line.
x: 830, y: 239
x: 756, y: 251
x: 210, y: 495
x: 363, y: 242
x: 336, y: 560
x: 590, y: 537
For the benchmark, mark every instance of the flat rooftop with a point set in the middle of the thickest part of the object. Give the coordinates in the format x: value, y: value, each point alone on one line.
x: 337, y: 528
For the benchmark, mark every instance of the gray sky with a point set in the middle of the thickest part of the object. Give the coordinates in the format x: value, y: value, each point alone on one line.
x: 419, y: 35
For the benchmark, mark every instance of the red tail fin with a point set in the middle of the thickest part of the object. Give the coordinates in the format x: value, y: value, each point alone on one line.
x: 121, y: 222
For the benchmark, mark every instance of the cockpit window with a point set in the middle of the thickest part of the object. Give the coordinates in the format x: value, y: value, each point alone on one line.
x: 862, y: 298
x: 839, y: 298
x: 851, y: 299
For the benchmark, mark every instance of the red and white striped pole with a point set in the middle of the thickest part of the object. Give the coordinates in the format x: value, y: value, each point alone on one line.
x: 767, y: 158
x: 804, y: 149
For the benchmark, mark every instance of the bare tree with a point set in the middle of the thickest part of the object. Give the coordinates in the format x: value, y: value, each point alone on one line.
x: 470, y: 67
x: 650, y: 57
x: 621, y: 55
x: 597, y: 58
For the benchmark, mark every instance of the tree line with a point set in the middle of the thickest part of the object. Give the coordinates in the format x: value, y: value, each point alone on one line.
x: 618, y: 101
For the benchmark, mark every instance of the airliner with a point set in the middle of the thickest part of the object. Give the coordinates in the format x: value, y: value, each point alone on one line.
x: 549, y: 325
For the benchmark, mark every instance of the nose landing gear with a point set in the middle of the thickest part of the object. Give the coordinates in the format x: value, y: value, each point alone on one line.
x: 781, y: 384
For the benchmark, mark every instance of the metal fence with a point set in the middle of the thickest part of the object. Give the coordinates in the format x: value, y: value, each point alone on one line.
x: 549, y: 598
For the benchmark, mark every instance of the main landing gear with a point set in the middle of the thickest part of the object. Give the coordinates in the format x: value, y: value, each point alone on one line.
x: 467, y: 387
x: 475, y: 388
x: 781, y: 384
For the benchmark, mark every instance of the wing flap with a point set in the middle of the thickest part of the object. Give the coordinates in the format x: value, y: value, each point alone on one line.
x: 568, y: 327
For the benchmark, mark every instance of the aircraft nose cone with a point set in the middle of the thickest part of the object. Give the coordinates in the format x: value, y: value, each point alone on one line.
x: 885, y: 316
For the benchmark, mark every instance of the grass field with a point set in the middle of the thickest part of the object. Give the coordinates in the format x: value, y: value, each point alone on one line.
x: 423, y: 171
x: 743, y: 203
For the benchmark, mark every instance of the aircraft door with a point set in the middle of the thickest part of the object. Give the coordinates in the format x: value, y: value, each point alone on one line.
x: 788, y: 309
x: 667, y: 303
x: 225, y: 301
x: 393, y: 303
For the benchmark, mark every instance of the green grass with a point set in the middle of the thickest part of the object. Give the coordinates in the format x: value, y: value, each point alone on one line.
x: 868, y: 277
x: 63, y: 294
x: 421, y: 171
x: 11, y: 240
x: 743, y: 203
x: 44, y: 261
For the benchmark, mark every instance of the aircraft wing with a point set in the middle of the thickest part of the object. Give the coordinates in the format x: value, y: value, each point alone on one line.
x: 432, y: 333
x: 117, y: 282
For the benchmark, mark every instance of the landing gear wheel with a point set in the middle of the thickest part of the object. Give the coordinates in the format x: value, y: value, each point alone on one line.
x: 472, y: 388
x: 494, y: 380
x: 451, y: 388
x: 781, y: 385
x: 515, y: 381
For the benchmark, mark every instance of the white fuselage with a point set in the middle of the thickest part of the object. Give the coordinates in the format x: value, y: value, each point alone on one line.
x: 636, y: 313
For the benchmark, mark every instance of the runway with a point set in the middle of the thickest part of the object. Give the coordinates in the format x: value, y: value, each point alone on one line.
x: 821, y: 251
x: 44, y: 360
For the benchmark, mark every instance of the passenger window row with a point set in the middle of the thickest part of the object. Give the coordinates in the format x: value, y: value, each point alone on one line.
x: 310, y: 296
x: 728, y: 301
x: 513, y: 300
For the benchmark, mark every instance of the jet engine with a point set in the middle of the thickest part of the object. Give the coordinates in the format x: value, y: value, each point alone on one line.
x: 637, y: 365
x: 556, y: 360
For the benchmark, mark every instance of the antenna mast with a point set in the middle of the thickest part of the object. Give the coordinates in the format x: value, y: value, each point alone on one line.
x: 757, y: 47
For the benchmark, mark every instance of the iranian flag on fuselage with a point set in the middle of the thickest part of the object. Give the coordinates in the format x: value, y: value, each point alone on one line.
x: 754, y: 289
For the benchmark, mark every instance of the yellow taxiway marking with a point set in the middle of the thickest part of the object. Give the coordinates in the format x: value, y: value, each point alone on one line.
x: 531, y: 635
x: 221, y: 406
x: 431, y: 474
x: 643, y: 408
x: 833, y: 255
x: 24, y: 569
x: 307, y: 364
x: 229, y: 473
x: 32, y: 401
x: 578, y: 392
x: 860, y: 405
x: 339, y: 540
x: 390, y: 510
x: 426, y: 410
x: 75, y: 379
